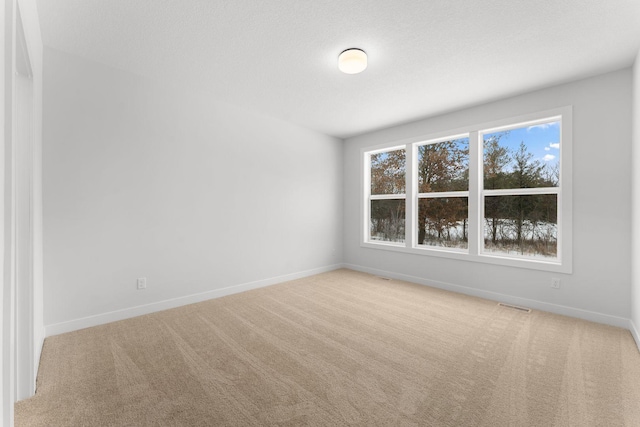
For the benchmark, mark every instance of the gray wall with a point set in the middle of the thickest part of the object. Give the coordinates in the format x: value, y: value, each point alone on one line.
x: 599, y: 287
x: 143, y: 180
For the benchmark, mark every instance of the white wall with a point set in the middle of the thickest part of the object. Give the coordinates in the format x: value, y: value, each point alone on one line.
x: 635, y: 284
x: 21, y: 296
x: 599, y: 287
x: 142, y: 180
x: 7, y: 395
x: 31, y: 309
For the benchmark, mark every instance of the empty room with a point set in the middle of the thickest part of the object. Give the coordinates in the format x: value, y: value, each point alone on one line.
x: 333, y: 213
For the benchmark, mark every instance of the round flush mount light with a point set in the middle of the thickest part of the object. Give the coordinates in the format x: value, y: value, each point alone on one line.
x: 352, y: 61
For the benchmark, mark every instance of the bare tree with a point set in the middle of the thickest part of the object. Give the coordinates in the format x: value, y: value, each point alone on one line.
x: 442, y: 166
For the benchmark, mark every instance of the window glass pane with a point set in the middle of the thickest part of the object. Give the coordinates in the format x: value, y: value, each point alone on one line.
x: 388, y: 172
x: 521, y: 225
x: 444, y: 166
x: 527, y: 157
x: 387, y: 220
x: 443, y: 222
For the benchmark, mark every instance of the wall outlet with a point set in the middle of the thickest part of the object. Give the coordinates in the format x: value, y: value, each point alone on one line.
x: 555, y: 283
x: 142, y: 283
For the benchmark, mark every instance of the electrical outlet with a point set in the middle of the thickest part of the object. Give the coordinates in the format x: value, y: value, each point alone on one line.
x: 555, y: 283
x: 142, y: 283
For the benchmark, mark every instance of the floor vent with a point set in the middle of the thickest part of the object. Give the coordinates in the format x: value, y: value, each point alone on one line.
x: 515, y: 307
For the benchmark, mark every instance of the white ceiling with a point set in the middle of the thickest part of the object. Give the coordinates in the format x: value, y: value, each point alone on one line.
x: 279, y: 57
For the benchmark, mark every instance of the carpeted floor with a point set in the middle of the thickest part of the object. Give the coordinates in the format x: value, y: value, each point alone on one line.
x: 340, y: 348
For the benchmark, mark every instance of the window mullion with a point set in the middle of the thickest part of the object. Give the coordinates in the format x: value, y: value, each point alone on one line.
x: 393, y: 196
x: 411, y: 184
x: 443, y: 194
x: 521, y: 191
x: 365, y: 212
x: 475, y: 188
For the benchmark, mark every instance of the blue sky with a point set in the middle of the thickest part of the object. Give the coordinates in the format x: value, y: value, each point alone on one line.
x: 542, y: 140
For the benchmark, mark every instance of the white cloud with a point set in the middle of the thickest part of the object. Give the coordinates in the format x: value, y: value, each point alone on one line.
x: 543, y: 126
x: 555, y: 145
x: 547, y: 148
x: 548, y: 157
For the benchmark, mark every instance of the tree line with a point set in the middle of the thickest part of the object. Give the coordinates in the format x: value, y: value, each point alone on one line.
x: 526, y: 224
x: 516, y: 223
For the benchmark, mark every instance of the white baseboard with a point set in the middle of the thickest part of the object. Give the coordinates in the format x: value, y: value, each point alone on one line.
x: 635, y: 333
x: 126, y: 313
x: 495, y: 296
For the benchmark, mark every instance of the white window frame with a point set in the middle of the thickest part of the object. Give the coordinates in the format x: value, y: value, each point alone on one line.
x: 476, y: 194
x: 434, y: 194
x: 369, y: 197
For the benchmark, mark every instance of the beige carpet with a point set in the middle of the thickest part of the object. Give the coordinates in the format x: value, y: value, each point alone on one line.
x: 341, y: 348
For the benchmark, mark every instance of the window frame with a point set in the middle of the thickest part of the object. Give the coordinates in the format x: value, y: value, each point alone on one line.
x: 434, y: 194
x: 476, y: 194
x: 370, y: 197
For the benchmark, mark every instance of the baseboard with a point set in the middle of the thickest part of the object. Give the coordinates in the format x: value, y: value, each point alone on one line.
x: 127, y: 313
x: 495, y: 296
x: 634, y: 332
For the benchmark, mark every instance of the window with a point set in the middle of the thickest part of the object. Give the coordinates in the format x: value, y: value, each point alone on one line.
x: 387, y: 176
x: 497, y: 193
x: 521, y: 175
x: 443, y: 192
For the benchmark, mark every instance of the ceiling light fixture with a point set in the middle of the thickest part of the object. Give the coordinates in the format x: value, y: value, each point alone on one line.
x: 352, y: 61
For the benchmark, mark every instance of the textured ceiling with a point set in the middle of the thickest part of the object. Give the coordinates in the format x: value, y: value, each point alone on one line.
x: 425, y: 56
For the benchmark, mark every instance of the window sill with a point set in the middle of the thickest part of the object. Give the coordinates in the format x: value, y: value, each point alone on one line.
x: 457, y: 254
